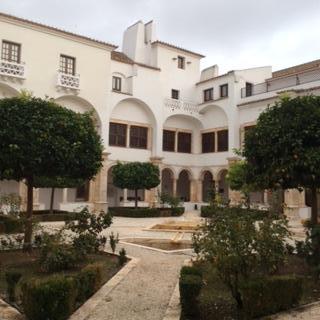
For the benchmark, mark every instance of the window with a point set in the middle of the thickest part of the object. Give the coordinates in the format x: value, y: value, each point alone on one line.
x: 82, y: 192
x: 168, y: 142
x: 67, y: 65
x: 116, y: 83
x: 208, y: 143
x: 138, y: 137
x: 181, y: 62
x: 184, y: 142
x: 118, y: 134
x: 223, y: 141
x: 175, y: 94
x: 249, y: 87
x: 208, y: 94
x: 10, y: 51
x: 224, y: 90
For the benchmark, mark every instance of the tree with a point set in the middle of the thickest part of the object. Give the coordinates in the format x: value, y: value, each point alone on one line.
x: 283, y: 149
x: 237, y: 179
x: 136, y: 176
x: 39, y: 138
x: 56, y: 183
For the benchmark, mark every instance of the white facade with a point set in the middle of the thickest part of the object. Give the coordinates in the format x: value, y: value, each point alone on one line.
x: 148, y: 71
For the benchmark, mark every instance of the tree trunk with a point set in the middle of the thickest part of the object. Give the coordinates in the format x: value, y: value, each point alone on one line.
x: 52, y: 200
x: 27, y: 247
x: 314, y: 208
x: 136, y: 198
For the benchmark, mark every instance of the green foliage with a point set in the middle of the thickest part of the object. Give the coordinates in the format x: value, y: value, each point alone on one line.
x: 12, y: 279
x: 87, y: 229
x: 172, y: 201
x: 239, y: 246
x: 113, y: 240
x: 10, y: 203
x: 283, y: 148
x: 145, y: 212
x: 89, y: 280
x: 55, y: 255
x: 44, y: 215
x: 185, y: 270
x: 190, y: 285
x: 11, y: 224
x: 136, y: 176
x: 122, y: 257
x: 53, y: 298
x: 39, y: 138
x: 270, y: 295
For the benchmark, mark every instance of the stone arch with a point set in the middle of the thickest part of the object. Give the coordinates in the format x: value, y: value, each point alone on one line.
x: 136, y: 111
x: 167, y: 178
x: 81, y: 105
x: 184, y: 185
x: 208, y: 185
x: 214, y: 116
x: 7, y: 91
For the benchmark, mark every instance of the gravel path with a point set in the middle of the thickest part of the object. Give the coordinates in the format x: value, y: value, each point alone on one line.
x: 145, y: 293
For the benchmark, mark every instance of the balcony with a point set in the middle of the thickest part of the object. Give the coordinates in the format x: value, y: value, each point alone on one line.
x: 12, y: 69
x: 68, y: 81
x: 274, y: 84
x: 181, y: 106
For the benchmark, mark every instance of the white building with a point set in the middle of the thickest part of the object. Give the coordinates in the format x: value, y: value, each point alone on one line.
x: 151, y: 102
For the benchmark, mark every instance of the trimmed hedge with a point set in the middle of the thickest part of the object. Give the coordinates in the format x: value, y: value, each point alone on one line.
x: 190, y: 284
x: 132, y: 212
x: 57, y: 215
x: 53, y: 298
x: 270, y: 295
x: 57, y: 296
x: 10, y: 224
x: 209, y: 212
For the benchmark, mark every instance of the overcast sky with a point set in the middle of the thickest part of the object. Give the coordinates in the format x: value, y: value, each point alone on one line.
x: 234, y: 34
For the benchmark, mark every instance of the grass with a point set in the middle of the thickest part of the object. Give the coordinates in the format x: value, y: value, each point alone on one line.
x: 28, y: 266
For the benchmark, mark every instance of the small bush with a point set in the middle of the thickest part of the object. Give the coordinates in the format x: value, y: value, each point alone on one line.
x: 12, y: 279
x: 145, y: 212
x: 190, y: 286
x: 89, y: 280
x: 270, y: 295
x: 53, y: 298
x: 187, y: 270
x: 11, y: 224
x: 122, y: 257
x: 114, y: 240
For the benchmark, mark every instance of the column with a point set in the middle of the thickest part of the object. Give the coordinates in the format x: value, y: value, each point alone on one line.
x: 100, y: 185
x: 64, y: 195
x: 23, y: 195
x: 199, y: 189
x: 36, y: 204
x: 174, y: 183
x: 193, y: 190
x: 295, y: 205
x: 153, y: 200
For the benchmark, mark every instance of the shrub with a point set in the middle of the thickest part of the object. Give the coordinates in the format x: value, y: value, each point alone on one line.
x: 53, y: 298
x: 145, y: 212
x: 187, y: 270
x: 270, y: 295
x: 44, y: 215
x: 213, y: 306
x: 114, y: 240
x: 89, y: 280
x: 11, y: 224
x: 190, y: 286
x: 122, y: 257
x: 12, y: 278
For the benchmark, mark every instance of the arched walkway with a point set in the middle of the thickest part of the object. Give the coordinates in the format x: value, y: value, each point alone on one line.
x: 183, y: 186
x: 223, y: 187
x: 167, y: 181
x: 208, y: 186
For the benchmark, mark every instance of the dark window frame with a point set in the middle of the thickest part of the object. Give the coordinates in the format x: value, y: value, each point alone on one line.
x: 175, y: 94
x: 184, y: 143
x: 168, y: 140
x: 181, y: 62
x: 223, y: 140
x: 67, y: 65
x: 208, y: 94
x: 249, y: 89
x: 224, y: 94
x: 11, y: 51
x: 116, y: 83
x: 208, y: 142
x: 116, y: 137
x: 138, y: 137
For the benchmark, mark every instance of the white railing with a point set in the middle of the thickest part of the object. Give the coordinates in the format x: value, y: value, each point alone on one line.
x: 12, y: 69
x: 179, y: 105
x: 68, y: 81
